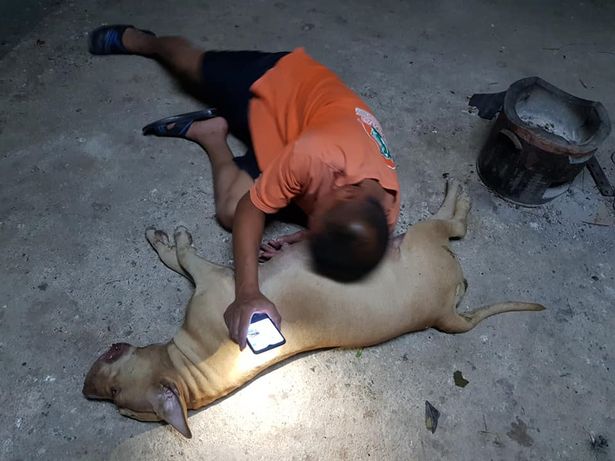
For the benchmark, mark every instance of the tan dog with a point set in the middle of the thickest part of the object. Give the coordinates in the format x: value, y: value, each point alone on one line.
x: 417, y: 286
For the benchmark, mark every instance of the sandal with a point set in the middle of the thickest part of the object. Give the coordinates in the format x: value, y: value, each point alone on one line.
x: 180, y: 124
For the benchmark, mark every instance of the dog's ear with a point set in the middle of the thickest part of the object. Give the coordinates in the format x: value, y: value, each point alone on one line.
x: 169, y: 405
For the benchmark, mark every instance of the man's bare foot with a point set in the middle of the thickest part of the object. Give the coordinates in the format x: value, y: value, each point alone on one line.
x: 138, y: 42
x: 209, y: 133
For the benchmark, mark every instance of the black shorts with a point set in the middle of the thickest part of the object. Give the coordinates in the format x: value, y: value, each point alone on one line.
x: 226, y: 80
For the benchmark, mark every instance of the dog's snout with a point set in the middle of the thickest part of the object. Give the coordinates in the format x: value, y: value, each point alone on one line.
x: 89, y: 388
x: 114, y: 352
x: 97, y: 384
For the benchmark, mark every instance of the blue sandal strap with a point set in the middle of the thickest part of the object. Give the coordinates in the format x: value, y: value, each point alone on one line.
x: 108, y: 39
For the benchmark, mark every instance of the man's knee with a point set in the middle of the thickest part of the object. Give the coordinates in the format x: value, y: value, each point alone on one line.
x: 225, y: 213
x: 226, y: 203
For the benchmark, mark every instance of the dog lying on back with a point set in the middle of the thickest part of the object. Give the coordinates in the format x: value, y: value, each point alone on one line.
x: 418, y: 285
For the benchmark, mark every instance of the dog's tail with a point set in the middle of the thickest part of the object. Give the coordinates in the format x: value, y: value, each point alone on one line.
x: 460, y: 323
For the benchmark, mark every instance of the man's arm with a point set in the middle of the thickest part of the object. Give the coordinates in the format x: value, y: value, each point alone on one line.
x: 248, y: 225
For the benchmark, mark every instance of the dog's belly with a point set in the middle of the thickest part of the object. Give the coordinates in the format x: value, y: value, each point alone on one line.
x: 402, y: 295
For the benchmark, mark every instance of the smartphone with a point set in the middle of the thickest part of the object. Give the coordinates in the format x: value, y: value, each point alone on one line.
x: 263, y: 335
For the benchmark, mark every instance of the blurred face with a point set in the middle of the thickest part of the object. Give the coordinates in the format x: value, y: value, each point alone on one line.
x: 333, y: 203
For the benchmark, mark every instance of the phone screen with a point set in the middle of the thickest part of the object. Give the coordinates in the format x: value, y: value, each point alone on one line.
x: 263, y: 334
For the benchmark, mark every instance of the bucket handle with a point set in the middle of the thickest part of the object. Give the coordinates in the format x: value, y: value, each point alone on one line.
x: 512, y: 137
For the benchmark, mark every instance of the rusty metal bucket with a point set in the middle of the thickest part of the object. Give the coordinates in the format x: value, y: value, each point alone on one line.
x: 542, y: 139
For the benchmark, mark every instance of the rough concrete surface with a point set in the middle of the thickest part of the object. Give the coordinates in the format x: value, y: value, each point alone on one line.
x: 79, y: 185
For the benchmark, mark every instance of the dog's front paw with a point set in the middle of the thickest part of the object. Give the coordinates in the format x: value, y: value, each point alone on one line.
x: 182, y: 236
x: 156, y: 237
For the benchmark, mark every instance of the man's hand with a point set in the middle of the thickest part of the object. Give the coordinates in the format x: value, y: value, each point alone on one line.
x: 239, y: 314
x: 271, y: 248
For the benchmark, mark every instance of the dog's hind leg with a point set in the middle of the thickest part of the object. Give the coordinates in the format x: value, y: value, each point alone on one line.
x: 459, y: 223
x: 198, y: 268
x: 447, y: 209
x: 454, y: 210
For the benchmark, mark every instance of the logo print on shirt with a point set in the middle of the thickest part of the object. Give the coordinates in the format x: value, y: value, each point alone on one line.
x: 372, y: 127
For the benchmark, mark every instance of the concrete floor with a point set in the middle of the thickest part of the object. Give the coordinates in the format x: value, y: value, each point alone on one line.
x: 79, y: 184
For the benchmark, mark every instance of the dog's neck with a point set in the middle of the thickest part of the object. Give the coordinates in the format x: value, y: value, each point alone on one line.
x: 186, y: 374
x: 206, y: 375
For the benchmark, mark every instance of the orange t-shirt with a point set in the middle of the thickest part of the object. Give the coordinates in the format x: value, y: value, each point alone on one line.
x: 312, y: 134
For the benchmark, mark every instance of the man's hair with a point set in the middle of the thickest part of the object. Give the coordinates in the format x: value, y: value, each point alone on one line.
x: 353, y: 241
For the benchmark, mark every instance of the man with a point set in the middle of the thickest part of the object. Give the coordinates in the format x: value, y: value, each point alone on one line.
x: 311, y: 141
